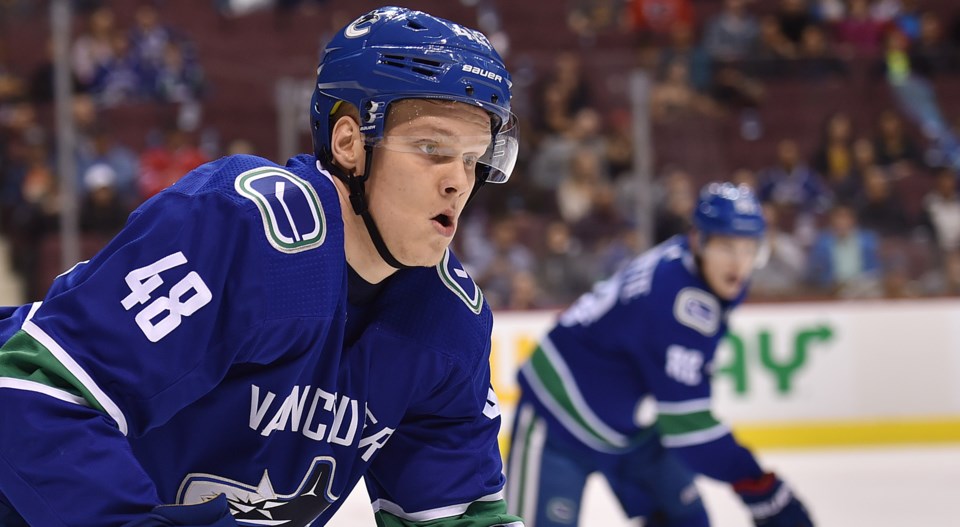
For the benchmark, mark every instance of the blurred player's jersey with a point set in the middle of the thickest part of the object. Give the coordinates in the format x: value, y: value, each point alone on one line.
x: 206, y: 344
x: 634, y: 352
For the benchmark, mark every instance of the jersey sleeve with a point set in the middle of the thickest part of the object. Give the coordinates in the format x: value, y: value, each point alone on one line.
x: 118, y: 346
x: 442, y: 465
x: 676, y: 365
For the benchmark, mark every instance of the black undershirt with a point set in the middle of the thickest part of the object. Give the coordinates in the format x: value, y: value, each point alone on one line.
x: 360, y: 298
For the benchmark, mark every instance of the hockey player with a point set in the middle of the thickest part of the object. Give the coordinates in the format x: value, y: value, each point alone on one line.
x: 258, y: 337
x: 621, y: 384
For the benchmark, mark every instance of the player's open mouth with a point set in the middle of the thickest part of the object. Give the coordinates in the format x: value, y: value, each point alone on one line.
x: 445, y: 224
x: 443, y: 219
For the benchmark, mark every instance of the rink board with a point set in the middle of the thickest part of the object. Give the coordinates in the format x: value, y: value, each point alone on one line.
x: 811, y: 374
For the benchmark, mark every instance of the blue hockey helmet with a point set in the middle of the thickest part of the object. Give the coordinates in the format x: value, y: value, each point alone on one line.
x: 394, y: 53
x: 729, y: 210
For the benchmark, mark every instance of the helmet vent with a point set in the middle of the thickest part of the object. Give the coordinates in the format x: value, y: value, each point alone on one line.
x: 415, y: 25
x: 425, y: 67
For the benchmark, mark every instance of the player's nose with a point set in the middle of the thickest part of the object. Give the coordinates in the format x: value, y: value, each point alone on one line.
x: 457, y: 179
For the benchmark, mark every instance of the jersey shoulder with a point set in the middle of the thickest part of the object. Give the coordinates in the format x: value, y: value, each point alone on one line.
x: 440, y: 307
x: 244, y: 214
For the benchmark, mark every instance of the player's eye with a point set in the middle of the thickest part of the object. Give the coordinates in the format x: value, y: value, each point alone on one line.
x: 429, y: 148
x: 470, y: 160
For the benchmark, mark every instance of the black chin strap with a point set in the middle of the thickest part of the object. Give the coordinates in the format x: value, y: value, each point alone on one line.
x: 358, y: 201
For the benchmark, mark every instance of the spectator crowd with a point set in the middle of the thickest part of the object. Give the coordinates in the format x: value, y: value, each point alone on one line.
x: 866, y: 207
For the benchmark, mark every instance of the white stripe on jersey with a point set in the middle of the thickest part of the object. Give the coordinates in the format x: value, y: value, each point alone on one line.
x: 33, y: 310
x: 71, y: 365
x: 430, y: 514
x: 517, y: 450
x: 32, y: 386
x: 531, y: 472
x: 683, y: 407
x: 695, y: 438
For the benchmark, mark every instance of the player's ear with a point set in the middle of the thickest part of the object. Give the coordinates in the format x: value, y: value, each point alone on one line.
x: 346, y: 144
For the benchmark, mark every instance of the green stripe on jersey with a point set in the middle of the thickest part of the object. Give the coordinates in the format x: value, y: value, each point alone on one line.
x: 677, y: 424
x: 478, y: 514
x: 552, y: 382
x: 24, y: 358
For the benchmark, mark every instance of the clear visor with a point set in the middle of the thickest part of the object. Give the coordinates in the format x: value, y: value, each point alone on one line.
x: 495, y: 154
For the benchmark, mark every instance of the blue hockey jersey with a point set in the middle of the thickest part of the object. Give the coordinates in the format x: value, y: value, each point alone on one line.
x: 631, y: 360
x: 202, y: 353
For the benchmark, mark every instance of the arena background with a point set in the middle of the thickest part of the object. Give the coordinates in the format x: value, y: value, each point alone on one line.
x: 842, y: 114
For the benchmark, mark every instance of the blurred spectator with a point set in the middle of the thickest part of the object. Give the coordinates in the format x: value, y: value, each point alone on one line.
x: 941, y: 212
x: 834, y: 158
x: 102, y: 211
x: 525, y: 293
x: 104, y: 149
x: 163, y: 165
x: 505, y: 257
x: 736, y: 91
x: 815, y: 59
x: 796, y: 190
x: 932, y: 48
x: 859, y: 33
x: 879, y: 209
x: 41, y: 79
x: 773, y: 45
x: 893, y: 145
x: 553, y: 160
x: 783, y: 274
x: 661, y: 17
x: 907, y: 75
x: 885, y: 10
x: 794, y: 18
x: 619, y: 145
x: 617, y: 250
x: 240, y: 146
x: 790, y: 182
x: 565, y: 269
x: 120, y: 79
x: 562, y: 93
x: 844, y: 259
x: 683, y: 48
x: 36, y: 214
x: 746, y: 177
x: 12, y: 86
x: 675, y: 201
x: 178, y: 78
x: 733, y: 33
x: 93, y: 49
x: 908, y: 19
x: 674, y: 97
x: 587, y: 18
x: 576, y: 193
x: 830, y: 10
x: 603, y: 221
x: 149, y: 38
x: 864, y: 155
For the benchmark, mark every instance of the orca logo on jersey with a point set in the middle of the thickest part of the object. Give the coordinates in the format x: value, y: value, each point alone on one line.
x: 293, y: 218
x: 458, y: 281
x: 697, y: 309
x: 260, y: 504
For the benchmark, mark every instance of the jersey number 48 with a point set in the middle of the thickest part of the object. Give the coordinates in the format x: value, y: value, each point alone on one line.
x: 164, y: 313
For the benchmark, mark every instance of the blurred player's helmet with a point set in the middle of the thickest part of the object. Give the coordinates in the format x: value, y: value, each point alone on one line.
x: 394, y: 53
x: 729, y: 210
